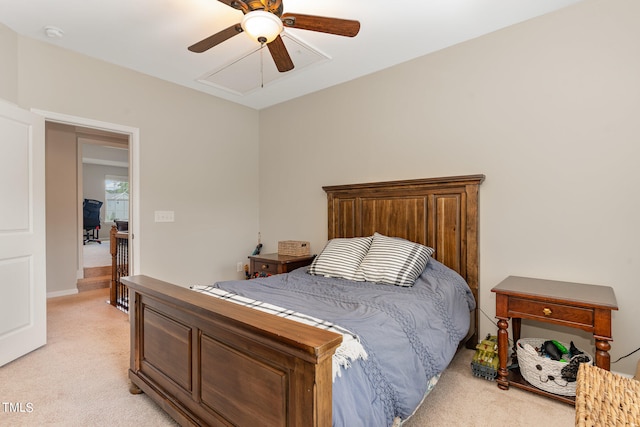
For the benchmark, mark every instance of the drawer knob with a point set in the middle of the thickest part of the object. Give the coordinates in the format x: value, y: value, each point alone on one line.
x: 547, y: 311
x: 265, y: 266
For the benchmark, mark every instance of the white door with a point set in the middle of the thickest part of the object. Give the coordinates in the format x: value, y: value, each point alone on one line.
x: 23, y: 288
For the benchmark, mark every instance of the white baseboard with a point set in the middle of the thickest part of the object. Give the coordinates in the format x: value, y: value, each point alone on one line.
x: 62, y: 293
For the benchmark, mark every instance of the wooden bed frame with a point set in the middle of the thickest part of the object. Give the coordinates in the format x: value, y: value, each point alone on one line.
x: 212, y: 362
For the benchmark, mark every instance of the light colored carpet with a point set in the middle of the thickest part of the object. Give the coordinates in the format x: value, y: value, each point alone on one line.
x: 96, y: 254
x: 80, y: 379
x: 461, y: 399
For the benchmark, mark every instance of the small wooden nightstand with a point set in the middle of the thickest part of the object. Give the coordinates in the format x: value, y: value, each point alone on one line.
x: 269, y: 264
x: 576, y: 305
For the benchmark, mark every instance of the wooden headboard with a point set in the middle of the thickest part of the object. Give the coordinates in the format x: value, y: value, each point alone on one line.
x: 441, y: 213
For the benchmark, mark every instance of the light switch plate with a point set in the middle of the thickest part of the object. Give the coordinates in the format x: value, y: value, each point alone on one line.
x: 164, y: 216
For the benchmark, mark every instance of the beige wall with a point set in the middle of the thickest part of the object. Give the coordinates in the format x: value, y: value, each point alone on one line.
x: 547, y: 110
x: 8, y: 65
x: 62, y: 210
x: 198, y: 155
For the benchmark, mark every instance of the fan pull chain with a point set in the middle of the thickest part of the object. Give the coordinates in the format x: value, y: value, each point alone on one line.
x: 261, y: 65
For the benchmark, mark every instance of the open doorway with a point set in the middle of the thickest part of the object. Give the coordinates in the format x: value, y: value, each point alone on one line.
x: 104, y: 194
x: 75, y: 146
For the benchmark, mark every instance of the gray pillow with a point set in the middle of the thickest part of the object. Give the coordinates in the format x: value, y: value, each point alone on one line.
x: 341, y: 258
x: 393, y: 261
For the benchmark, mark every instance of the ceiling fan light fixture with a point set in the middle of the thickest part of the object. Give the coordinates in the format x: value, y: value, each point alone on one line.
x: 262, y: 26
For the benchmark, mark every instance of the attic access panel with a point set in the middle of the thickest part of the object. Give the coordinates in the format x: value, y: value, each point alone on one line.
x: 243, y: 75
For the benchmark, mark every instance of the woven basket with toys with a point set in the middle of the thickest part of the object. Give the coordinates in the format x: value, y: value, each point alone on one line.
x: 550, y: 365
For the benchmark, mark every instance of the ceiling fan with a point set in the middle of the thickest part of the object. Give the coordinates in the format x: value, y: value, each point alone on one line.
x: 263, y: 20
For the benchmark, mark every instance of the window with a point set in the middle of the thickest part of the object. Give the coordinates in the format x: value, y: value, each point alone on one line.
x: 117, y: 196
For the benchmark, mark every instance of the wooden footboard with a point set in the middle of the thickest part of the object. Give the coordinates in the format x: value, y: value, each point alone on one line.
x: 212, y: 362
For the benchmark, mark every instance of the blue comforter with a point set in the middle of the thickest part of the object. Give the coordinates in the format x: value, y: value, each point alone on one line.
x: 410, y: 334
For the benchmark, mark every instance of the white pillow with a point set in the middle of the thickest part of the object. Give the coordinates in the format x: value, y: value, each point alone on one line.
x: 341, y: 257
x: 393, y: 261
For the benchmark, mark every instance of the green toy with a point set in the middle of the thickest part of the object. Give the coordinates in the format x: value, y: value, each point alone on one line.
x: 560, y: 347
x: 485, y: 361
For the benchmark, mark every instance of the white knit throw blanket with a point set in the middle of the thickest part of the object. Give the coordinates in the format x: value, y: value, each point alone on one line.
x: 350, y: 350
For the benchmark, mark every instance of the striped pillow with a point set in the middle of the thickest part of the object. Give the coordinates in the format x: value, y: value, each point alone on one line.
x: 393, y: 261
x: 341, y: 258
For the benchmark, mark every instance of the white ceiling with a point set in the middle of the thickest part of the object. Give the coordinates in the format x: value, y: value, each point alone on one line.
x: 152, y: 36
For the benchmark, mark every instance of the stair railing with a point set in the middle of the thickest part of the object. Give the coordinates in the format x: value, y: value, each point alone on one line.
x: 119, y: 293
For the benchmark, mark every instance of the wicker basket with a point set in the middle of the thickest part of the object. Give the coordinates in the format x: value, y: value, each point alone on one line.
x: 294, y: 248
x: 606, y: 399
x: 542, y: 372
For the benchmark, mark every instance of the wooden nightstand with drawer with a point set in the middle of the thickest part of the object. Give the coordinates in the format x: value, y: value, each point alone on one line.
x: 270, y: 264
x: 575, y: 305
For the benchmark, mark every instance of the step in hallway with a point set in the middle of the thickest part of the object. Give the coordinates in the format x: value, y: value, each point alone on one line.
x: 97, y: 266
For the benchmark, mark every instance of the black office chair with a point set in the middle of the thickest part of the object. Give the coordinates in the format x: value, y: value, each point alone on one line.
x: 91, y: 220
